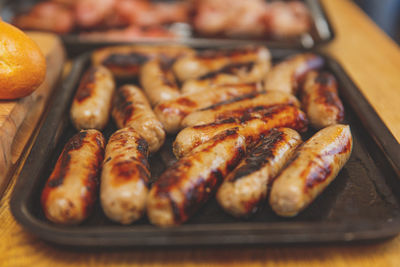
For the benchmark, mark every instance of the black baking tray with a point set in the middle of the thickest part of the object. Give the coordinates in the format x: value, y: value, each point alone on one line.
x: 321, y: 32
x: 362, y: 203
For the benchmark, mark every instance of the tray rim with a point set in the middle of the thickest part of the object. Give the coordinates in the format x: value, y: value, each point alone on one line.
x: 225, y: 233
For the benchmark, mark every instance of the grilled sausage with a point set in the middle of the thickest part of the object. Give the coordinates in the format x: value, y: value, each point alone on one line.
x: 92, y: 102
x: 246, y: 187
x: 184, y: 187
x: 320, y: 100
x: 313, y: 167
x: 131, y: 109
x: 239, y: 108
x: 125, y: 61
x: 71, y: 190
x: 287, y: 75
x: 158, y: 82
x: 125, y: 176
x: 251, y: 127
x: 248, y: 72
x: 196, y: 65
x: 171, y: 113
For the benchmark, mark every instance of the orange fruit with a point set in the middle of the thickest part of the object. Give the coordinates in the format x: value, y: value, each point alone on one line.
x: 22, y: 64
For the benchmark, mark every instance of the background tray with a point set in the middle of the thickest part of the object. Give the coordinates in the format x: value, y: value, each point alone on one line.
x: 321, y: 32
x: 362, y: 203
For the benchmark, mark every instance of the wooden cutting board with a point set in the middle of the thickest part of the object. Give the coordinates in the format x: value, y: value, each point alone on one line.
x: 19, y: 118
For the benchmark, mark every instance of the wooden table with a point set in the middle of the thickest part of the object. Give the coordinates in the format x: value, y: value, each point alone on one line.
x: 373, y: 61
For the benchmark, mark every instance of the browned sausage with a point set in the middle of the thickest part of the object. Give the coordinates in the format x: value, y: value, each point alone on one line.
x: 287, y: 75
x: 238, y: 108
x: 248, y: 72
x: 125, y: 61
x: 171, y: 113
x: 125, y: 177
x: 321, y: 101
x: 92, y: 102
x: 251, y: 127
x: 196, y: 65
x: 246, y: 187
x: 131, y: 109
x: 184, y: 187
x: 71, y: 190
x: 158, y: 82
x: 313, y: 167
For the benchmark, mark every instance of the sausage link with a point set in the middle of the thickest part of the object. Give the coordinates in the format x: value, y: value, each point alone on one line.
x: 125, y: 61
x: 131, y: 109
x: 125, y: 176
x: 239, y: 108
x: 184, y: 187
x: 321, y: 101
x: 158, y: 82
x: 92, y: 102
x: 251, y: 127
x: 196, y: 65
x: 313, y: 167
x: 71, y: 190
x: 171, y: 113
x: 248, y: 72
x: 287, y: 75
x: 246, y: 187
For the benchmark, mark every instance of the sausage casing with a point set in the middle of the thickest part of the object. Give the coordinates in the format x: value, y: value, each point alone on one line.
x: 92, y: 102
x: 312, y: 168
x: 171, y: 113
x: 320, y: 100
x: 239, y: 108
x: 125, y: 61
x: 158, y: 82
x: 251, y: 127
x: 125, y: 176
x: 286, y: 76
x: 196, y: 65
x: 246, y: 187
x: 248, y: 72
x: 184, y: 187
x: 70, y: 192
x: 131, y: 109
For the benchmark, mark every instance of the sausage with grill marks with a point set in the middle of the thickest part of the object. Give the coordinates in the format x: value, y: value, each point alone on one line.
x: 312, y: 168
x: 184, y: 187
x: 131, y: 109
x: 71, y: 190
x: 287, y: 75
x: 239, y: 108
x: 125, y: 177
x: 246, y: 187
x: 158, y: 82
x: 251, y: 126
x: 92, y: 102
x: 125, y: 61
x: 171, y: 113
x: 197, y: 65
x: 248, y: 72
x: 321, y: 101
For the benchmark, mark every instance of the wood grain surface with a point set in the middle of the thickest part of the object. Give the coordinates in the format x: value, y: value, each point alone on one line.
x: 18, y: 118
x: 373, y: 61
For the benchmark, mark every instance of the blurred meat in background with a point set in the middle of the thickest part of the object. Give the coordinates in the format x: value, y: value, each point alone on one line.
x: 251, y: 17
x: 127, y: 19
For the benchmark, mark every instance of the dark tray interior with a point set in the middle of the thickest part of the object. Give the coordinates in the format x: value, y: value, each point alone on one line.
x: 362, y: 203
x: 321, y: 32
